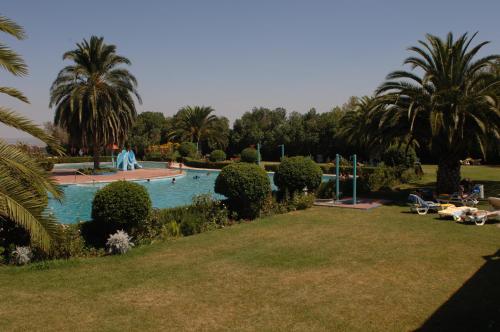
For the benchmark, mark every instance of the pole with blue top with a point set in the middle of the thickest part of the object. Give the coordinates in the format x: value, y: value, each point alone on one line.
x: 337, y: 175
x: 354, y: 162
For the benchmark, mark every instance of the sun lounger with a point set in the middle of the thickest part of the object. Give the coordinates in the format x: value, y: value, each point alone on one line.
x: 465, y: 200
x: 456, y: 212
x: 417, y: 204
x: 481, y: 216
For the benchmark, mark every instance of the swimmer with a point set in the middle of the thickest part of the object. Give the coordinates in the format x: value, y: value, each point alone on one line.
x: 208, y: 173
x: 196, y: 177
x: 173, y: 180
x: 149, y: 180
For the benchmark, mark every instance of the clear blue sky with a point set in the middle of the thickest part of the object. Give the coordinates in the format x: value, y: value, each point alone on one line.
x: 234, y: 55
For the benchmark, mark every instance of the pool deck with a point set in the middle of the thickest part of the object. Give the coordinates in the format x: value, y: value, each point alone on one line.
x: 362, y: 203
x: 68, y: 176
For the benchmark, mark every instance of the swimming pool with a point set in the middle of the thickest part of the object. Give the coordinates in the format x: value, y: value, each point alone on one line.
x: 77, y: 203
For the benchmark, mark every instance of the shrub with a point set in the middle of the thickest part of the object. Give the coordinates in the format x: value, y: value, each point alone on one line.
x: 188, y: 149
x: 249, y: 155
x: 21, y: 256
x: 120, y: 205
x: 70, y: 243
x: 382, y: 178
x: 398, y: 156
x: 69, y: 159
x: 217, y: 155
x: 206, y: 164
x: 119, y: 243
x: 295, y: 173
x: 246, y: 186
x: 302, y: 202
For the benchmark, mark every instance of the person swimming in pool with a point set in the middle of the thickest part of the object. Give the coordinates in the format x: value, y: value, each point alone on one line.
x: 173, y: 180
x: 196, y: 177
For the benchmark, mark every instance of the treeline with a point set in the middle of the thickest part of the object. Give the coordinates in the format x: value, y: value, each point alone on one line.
x: 320, y: 135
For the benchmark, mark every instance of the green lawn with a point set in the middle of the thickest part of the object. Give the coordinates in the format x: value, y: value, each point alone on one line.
x: 319, y: 269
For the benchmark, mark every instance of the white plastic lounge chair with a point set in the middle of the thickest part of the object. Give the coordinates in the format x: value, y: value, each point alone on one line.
x: 456, y: 212
x: 480, y: 217
x: 417, y: 204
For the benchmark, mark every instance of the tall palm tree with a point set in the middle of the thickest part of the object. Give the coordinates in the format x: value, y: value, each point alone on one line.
x: 197, y: 124
x: 449, y: 104
x: 23, y: 183
x: 93, y: 97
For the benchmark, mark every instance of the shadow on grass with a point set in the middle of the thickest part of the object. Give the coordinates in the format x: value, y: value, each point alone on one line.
x: 475, y: 306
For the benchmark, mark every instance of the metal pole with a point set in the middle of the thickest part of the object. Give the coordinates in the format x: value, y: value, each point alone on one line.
x: 337, y: 175
x: 354, y: 161
x: 282, y: 151
x: 258, y: 153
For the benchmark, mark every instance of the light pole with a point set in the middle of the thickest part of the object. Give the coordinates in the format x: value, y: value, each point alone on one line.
x: 282, y: 146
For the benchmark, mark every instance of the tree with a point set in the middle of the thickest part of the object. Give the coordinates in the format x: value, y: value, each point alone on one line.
x: 23, y: 183
x: 93, y: 97
x: 450, y: 107
x: 197, y: 124
x: 150, y: 128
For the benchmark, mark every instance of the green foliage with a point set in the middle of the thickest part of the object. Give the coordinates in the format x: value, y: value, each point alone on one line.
x: 188, y: 149
x: 217, y: 155
x: 150, y: 128
x: 94, y: 96
x: 198, y: 124
x: 205, y: 213
x: 448, y: 103
x: 206, y: 164
x: 121, y: 205
x: 70, y: 243
x: 158, y: 156
x: 296, y: 173
x: 249, y: 155
x: 302, y: 202
x: 382, y: 178
x: 399, y: 156
x: 76, y: 160
x: 246, y: 186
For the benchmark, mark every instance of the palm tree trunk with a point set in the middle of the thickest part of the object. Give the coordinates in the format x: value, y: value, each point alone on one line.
x: 97, y: 155
x: 96, y: 151
x: 448, y: 177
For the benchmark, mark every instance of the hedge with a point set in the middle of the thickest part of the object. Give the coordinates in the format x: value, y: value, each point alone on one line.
x: 71, y: 160
x: 206, y: 164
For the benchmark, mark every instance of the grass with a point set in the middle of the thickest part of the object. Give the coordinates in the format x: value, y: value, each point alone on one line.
x: 319, y: 269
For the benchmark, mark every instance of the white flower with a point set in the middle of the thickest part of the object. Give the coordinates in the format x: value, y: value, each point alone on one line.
x: 119, y: 243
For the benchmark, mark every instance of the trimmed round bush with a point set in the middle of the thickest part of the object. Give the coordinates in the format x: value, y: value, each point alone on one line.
x: 188, y: 149
x: 249, y: 155
x: 217, y: 155
x: 295, y: 173
x: 246, y: 187
x: 121, y: 205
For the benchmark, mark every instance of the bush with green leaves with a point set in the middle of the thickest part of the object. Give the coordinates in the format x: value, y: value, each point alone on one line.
x: 382, y: 178
x: 246, y: 187
x: 296, y: 173
x: 217, y: 155
x: 249, y: 155
x: 121, y: 205
x: 399, y: 156
x: 188, y: 149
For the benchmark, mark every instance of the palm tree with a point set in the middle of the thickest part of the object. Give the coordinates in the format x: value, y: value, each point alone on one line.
x: 93, y: 97
x: 23, y: 183
x: 197, y: 124
x: 450, y: 107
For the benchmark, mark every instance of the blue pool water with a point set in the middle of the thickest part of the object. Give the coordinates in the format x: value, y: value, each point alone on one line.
x: 77, y: 203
